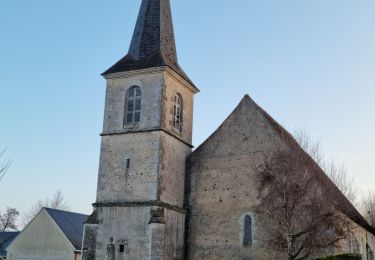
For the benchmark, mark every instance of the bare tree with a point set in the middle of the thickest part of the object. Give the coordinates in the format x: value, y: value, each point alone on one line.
x: 4, y: 163
x: 336, y: 172
x: 8, y: 220
x: 344, y: 181
x: 295, y: 217
x: 57, y: 201
x: 311, y: 146
x: 368, y: 207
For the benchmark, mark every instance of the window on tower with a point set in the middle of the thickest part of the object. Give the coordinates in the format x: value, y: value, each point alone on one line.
x: 247, y: 229
x: 133, y: 106
x: 247, y: 232
x: 177, y: 112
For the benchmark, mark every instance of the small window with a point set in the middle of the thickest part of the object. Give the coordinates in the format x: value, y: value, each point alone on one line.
x: 127, y: 163
x: 247, y: 231
x: 133, y: 106
x: 121, y: 249
x: 177, y: 112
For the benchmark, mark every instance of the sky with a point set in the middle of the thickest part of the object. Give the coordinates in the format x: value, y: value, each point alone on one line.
x: 310, y: 64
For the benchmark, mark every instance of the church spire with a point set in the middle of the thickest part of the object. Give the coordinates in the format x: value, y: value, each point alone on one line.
x: 154, y: 31
x: 153, y: 42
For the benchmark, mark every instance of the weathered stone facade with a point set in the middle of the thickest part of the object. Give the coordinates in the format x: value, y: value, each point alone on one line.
x: 222, y: 189
x: 156, y: 199
x: 142, y: 170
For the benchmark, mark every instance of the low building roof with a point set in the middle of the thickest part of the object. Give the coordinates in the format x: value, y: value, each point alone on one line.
x: 70, y: 223
x: 5, y: 239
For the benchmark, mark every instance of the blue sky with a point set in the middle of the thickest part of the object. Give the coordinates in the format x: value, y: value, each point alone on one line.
x: 310, y: 64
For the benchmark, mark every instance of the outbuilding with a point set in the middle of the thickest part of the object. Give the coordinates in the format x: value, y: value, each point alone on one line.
x: 52, y: 234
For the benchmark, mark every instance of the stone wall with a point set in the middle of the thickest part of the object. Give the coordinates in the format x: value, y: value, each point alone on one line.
x: 151, y: 84
x: 222, y: 189
x: 221, y: 174
x: 358, y: 242
x: 174, y: 85
x: 172, y: 170
x: 89, y: 241
x: 139, y: 182
x: 149, y: 232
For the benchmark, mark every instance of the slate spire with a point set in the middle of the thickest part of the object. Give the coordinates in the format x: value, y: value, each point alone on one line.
x: 153, y: 32
x: 153, y: 42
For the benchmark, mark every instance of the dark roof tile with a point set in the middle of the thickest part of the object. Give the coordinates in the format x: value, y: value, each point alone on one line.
x: 153, y: 43
x: 70, y: 223
x: 5, y: 239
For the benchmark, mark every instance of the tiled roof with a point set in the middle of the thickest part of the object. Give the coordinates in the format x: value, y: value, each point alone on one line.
x: 70, y: 223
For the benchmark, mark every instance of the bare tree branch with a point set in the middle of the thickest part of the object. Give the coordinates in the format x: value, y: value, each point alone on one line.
x: 4, y: 164
x: 8, y: 220
x: 336, y: 172
x: 294, y: 214
x: 57, y: 201
x: 368, y: 207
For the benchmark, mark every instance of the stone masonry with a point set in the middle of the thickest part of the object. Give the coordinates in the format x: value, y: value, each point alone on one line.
x: 156, y: 199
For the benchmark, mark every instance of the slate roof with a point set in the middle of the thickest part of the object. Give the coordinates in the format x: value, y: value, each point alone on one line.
x: 70, y: 223
x: 153, y: 43
x: 5, y: 239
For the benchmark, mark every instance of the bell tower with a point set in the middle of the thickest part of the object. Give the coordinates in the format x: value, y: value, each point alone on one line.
x: 146, y: 138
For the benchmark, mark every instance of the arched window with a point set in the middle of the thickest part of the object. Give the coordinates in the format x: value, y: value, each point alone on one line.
x: 177, y: 112
x: 133, y: 106
x: 247, y: 231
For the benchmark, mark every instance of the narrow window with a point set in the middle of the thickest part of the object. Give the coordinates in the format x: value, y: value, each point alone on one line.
x: 121, y: 249
x: 247, y: 229
x: 133, y: 106
x: 177, y: 112
x: 127, y: 163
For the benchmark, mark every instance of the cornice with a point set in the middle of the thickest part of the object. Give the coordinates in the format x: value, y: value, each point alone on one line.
x: 128, y: 204
x: 181, y: 80
x: 131, y: 131
x: 155, y: 70
x: 132, y: 73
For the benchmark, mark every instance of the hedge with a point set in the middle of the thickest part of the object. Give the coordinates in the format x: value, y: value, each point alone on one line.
x: 342, y: 257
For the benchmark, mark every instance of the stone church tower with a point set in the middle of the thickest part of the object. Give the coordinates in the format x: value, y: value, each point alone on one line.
x: 147, y: 134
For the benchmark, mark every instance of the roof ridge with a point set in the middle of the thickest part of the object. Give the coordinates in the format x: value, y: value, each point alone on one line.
x: 66, y: 211
x: 70, y: 223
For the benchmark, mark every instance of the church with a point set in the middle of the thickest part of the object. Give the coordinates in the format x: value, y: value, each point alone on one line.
x: 157, y: 198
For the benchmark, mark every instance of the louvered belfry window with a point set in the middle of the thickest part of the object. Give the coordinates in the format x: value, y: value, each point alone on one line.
x: 177, y: 113
x: 133, y: 106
